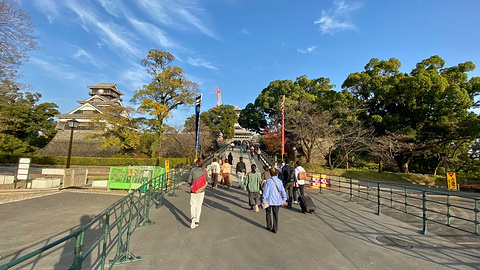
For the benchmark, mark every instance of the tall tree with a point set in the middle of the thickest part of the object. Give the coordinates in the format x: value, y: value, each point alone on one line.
x: 16, y: 38
x: 25, y: 125
x: 221, y: 119
x: 168, y: 90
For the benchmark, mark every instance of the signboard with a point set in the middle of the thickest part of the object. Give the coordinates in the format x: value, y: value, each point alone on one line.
x: 22, y: 170
x: 167, y: 170
x: 451, y: 181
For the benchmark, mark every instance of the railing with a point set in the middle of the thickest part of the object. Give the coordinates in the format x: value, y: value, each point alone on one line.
x: 431, y: 206
x: 105, y: 241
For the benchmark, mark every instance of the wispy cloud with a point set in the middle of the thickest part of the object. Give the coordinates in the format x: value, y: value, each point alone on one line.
x: 47, y: 7
x: 200, y: 63
x: 245, y: 31
x: 112, y: 34
x: 154, y: 33
x: 82, y: 56
x: 178, y: 14
x: 55, y: 70
x: 307, y: 50
x: 337, y: 19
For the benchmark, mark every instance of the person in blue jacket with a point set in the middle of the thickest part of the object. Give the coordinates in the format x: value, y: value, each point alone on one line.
x: 274, y: 196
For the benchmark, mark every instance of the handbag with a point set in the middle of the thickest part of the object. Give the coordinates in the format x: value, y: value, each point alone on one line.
x: 302, y: 176
x: 199, y: 184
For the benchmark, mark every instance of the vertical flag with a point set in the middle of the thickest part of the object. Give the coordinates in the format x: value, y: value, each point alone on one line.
x: 198, y: 103
x: 283, y: 126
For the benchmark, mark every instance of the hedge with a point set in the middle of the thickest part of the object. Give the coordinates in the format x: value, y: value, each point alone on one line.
x: 97, y: 161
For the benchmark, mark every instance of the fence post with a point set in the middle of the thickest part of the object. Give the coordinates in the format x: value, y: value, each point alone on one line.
x: 351, y: 192
x: 146, y: 220
x: 476, y: 216
x: 378, y: 200
x: 368, y: 190
x: 406, y: 196
x: 320, y: 191
x: 391, y: 196
x: 105, y: 239
x: 448, y: 210
x: 424, y: 208
x: 79, y: 250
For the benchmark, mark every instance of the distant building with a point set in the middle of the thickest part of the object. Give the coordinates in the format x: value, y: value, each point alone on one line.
x: 241, y: 134
x: 102, y: 95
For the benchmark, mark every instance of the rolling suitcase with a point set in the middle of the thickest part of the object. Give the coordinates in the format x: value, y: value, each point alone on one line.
x: 306, y: 203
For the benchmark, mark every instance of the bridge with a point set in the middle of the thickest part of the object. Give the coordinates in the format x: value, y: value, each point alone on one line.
x: 341, y: 234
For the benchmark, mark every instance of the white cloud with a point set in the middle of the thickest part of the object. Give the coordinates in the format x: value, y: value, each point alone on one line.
x: 84, y: 57
x: 245, y: 31
x: 307, y: 50
x: 154, y: 33
x: 178, y: 14
x: 337, y: 19
x: 200, y: 63
x: 112, y: 34
x: 47, y: 7
x: 55, y: 70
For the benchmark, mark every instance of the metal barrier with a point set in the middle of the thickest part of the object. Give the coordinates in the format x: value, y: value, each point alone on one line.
x: 435, y: 206
x: 106, y: 239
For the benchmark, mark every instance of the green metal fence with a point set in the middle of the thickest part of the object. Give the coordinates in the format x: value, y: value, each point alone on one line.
x: 105, y: 241
x: 430, y: 205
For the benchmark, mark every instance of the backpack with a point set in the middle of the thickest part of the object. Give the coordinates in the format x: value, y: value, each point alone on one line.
x: 288, y: 174
x: 213, y: 168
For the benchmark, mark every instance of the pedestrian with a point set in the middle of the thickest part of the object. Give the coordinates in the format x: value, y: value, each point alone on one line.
x: 230, y: 158
x: 259, y: 153
x: 252, y: 184
x: 240, y: 170
x: 196, y: 199
x: 288, y: 179
x: 232, y: 145
x: 225, y: 170
x: 274, y: 196
x: 300, y: 177
x: 213, y: 170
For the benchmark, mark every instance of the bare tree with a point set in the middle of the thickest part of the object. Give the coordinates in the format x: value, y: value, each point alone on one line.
x: 308, y: 125
x: 352, y: 137
x: 16, y: 38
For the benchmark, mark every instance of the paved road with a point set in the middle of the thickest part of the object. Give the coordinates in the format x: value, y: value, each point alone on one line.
x: 339, y: 235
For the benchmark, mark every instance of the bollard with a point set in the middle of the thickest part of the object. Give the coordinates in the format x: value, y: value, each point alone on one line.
x: 406, y: 202
x: 448, y: 210
x: 476, y: 216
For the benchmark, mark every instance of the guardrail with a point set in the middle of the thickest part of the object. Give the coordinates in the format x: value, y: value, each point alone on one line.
x: 435, y: 206
x: 105, y: 241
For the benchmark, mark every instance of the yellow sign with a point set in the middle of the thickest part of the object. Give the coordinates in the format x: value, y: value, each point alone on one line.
x: 451, y: 181
x: 167, y: 170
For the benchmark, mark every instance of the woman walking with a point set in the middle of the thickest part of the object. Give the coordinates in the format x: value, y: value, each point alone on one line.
x: 225, y: 169
x: 252, y: 184
x: 196, y: 199
x: 274, y: 196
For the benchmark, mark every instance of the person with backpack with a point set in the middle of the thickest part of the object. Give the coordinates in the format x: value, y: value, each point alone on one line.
x: 288, y: 179
x: 240, y: 170
x: 300, y: 177
x: 213, y: 170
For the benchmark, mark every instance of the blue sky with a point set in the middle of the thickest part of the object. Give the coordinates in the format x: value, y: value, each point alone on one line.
x: 239, y: 45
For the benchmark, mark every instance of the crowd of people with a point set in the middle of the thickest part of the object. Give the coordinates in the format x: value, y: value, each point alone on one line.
x: 270, y: 189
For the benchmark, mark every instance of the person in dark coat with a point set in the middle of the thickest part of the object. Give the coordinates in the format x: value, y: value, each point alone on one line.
x: 230, y: 158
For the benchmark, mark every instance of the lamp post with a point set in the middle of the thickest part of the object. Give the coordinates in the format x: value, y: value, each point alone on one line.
x: 294, y: 155
x: 73, y: 124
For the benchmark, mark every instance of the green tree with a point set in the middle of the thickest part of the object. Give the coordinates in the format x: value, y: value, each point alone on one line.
x: 221, y: 119
x: 168, y: 90
x: 427, y: 104
x: 25, y: 125
x: 118, y: 130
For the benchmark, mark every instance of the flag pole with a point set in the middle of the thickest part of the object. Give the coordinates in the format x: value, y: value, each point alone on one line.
x: 283, y: 126
x: 198, y: 104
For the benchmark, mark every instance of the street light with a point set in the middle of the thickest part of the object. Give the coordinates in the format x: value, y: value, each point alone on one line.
x: 294, y: 156
x: 73, y: 124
